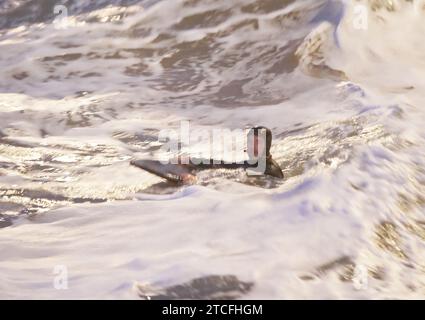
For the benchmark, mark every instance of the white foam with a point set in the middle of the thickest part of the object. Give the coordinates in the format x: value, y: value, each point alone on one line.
x: 352, y: 149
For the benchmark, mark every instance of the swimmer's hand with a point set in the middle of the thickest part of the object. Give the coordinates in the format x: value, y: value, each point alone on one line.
x: 188, y: 178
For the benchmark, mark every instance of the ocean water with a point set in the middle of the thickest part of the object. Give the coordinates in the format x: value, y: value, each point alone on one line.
x: 340, y: 84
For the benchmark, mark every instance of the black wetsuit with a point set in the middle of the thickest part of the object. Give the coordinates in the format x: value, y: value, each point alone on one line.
x: 271, y: 167
x: 184, y: 166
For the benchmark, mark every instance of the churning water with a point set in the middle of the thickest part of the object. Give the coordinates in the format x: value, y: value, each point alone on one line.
x: 340, y: 83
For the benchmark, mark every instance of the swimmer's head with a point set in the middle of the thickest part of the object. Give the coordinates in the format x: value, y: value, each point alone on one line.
x: 259, y: 142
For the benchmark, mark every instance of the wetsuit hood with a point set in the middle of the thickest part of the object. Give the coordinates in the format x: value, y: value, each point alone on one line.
x: 260, y: 130
x: 272, y: 168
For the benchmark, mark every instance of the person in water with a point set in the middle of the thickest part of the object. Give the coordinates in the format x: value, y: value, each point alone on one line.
x: 260, y: 160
